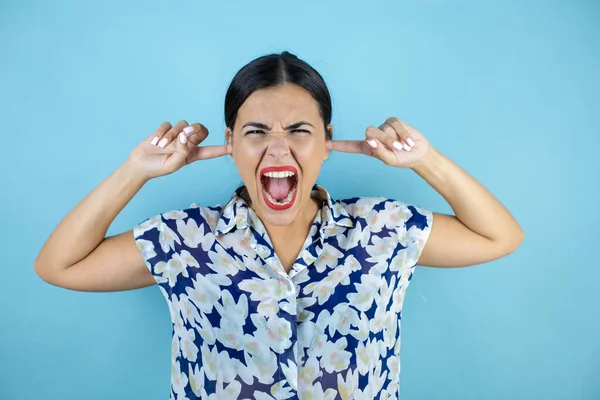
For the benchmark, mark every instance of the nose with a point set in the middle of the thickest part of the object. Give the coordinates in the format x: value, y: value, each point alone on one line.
x: 278, y: 146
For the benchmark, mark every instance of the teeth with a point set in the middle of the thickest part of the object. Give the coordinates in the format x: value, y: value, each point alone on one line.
x: 281, y: 174
x: 285, y: 202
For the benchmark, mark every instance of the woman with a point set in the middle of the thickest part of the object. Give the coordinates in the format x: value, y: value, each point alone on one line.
x: 282, y: 292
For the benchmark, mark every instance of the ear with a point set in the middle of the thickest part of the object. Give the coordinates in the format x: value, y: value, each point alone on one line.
x: 229, y: 139
x: 328, y: 141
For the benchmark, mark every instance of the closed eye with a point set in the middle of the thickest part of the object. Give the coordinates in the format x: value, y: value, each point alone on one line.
x: 261, y: 132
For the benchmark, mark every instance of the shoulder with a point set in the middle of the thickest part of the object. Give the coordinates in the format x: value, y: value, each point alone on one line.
x: 374, y: 211
x: 181, y: 221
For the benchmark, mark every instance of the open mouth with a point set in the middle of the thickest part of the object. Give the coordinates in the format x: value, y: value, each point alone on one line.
x: 278, y: 186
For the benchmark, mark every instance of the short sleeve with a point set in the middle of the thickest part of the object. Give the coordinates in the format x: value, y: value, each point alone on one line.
x: 413, y: 228
x: 150, y: 240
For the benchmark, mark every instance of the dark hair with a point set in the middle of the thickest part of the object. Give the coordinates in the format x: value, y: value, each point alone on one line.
x: 272, y: 70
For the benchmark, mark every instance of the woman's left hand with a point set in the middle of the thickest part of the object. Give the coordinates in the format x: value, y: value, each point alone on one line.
x: 395, y: 143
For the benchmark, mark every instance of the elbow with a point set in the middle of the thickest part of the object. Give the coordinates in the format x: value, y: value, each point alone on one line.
x: 39, y: 269
x: 511, y: 244
x: 42, y: 270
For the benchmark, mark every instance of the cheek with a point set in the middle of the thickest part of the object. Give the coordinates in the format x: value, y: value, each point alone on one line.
x: 309, y: 153
x: 247, y: 158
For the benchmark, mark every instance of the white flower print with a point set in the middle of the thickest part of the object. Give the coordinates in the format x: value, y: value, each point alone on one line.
x: 206, y: 330
x: 194, y: 235
x: 395, y: 214
x: 146, y: 248
x: 210, y: 216
x: 330, y: 326
x: 382, y: 249
x: 362, y: 332
x: 263, y: 367
x: 231, y: 392
x: 147, y: 225
x: 375, y: 221
x: 347, y: 386
x: 315, y: 392
x: 261, y: 289
x: 174, y: 267
x: 215, y: 363
x: 169, y: 237
x: 327, y: 286
x: 160, y: 268
x: 189, y: 312
x: 366, y: 291
x: 328, y: 258
x: 376, y: 379
x: 189, y: 350
x: 335, y: 357
x: 393, y: 364
x: 383, y: 301
x: 309, y: 372
x: 179, y: 379
x: 357, y: 236
x: 188, y: 259
x: 398, y: 298
x: 196, y: 377
x: 290, y: 371
x: 365, y: 352
x: 342, y: 318
x: 175, y: 214
x: 222, y: 263
x: 274, y: 332
x: 363, y: 207
x: 204, y: 293
x: 301, y: 308
x: 175, y: 348
x: 233, y: 317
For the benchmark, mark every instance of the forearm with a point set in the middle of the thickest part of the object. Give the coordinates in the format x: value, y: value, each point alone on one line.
x: 85, y: 226
x: 474, y: 206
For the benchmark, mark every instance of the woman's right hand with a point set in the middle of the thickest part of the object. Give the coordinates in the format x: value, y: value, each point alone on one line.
x: 172, y: 147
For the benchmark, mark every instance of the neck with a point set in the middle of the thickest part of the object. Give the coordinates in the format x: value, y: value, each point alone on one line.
x: 299, y: 227
x: 301, y: 224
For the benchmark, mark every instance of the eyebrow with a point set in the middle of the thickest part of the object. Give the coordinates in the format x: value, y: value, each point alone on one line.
x: 265, y: 127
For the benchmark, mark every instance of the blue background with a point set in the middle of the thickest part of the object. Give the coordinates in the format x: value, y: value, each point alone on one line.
x: 507, y: 89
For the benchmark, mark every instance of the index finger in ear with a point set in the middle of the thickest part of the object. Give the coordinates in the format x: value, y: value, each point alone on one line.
x: 206, y: 152
x: 351, y: 146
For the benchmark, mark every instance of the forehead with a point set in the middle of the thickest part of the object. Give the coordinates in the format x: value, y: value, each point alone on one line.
x: 279, y: 104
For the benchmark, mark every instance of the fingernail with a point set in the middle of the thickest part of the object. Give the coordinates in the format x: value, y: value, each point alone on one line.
x: 410, y: 142
x: 406, y: 147
x: 188, y: 129
x: 183, y: 138
x: 397, y: 146
x: 154, y: 141
x: 163, y: 143
x: 372, y: 143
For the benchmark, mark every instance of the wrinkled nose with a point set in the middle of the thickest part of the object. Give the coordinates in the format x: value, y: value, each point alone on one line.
x: 278, y: 146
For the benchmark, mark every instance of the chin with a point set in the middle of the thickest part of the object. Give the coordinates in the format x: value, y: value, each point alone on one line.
x: 278, y: 214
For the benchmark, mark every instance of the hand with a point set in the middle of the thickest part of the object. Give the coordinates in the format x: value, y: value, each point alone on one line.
x: 395, y: 143
x: 172, y: 147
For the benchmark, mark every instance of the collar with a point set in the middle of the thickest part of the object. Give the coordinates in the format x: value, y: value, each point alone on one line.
x: 236, y: 214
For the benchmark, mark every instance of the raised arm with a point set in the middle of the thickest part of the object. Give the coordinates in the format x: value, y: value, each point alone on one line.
x: 482, y: 229
x: 78, y: 256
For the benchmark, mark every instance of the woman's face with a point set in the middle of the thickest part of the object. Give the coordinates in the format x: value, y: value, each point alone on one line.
x: 279, y: 145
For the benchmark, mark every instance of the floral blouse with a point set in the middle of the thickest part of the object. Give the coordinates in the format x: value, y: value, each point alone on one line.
x: 243, y: 328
